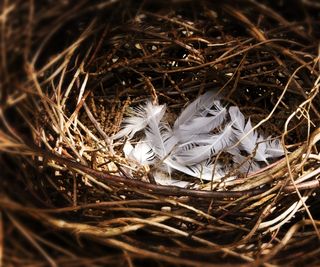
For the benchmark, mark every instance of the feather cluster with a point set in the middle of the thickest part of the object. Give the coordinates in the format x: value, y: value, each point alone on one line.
x: 204, y: 129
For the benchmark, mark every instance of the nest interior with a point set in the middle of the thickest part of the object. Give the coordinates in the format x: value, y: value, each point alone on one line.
x: 69, y: 73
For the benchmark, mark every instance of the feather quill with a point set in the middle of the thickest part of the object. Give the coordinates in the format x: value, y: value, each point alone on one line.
x: 139, y: 119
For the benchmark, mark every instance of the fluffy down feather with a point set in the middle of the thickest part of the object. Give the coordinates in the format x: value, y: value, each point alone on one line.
x: 141, y: 152
x: 139, y: 119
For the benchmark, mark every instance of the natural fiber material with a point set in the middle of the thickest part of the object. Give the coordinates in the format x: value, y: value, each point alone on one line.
x: 70, y: 72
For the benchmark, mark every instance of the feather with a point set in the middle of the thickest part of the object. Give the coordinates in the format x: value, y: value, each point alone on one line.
x: 165, y: 179
x: 247, y: 136
x: 160, y: 138
x: 203, y: 170
x: 202, y: 149
x: 274, y: 149
x: 141, y: 153
x: 190, y: 145
x: 202, y: 104
x: 200, y: 124
x: 199, y: 107
x: 139, y: 119
x: 245, y: 166
x: 219, y: 112
x: 127, y: 149
x: 269, y: 148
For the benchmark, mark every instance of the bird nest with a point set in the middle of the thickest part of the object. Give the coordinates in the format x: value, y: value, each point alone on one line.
x: 71, y: 73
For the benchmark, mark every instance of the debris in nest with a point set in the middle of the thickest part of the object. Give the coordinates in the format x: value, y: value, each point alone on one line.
x: 204, y: 130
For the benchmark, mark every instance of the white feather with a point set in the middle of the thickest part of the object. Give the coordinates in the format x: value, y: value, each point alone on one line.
x: 203, y: 170
x: 190, y: 146
x: 274, y: 149
x: 160, y: 138
x: 201, y: 124
x: 139, y: 119
x: 219, y: 112
x: 127, y: 149
x: 199, y: 107
x: 202, y: 104
x: 245, y: 166
x: 165, y: 179
x: 270, y: 149
x: 249, y: 138
x: 202, y: 149
x: 141, y: 152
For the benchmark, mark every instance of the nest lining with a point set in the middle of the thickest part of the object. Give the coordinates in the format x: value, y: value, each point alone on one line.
x: 73, y: 97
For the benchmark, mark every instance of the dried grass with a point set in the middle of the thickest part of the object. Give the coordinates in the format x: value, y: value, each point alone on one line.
x: 68, y: 74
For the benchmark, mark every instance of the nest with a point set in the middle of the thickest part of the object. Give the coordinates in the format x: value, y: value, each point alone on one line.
x: 70, y: 71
